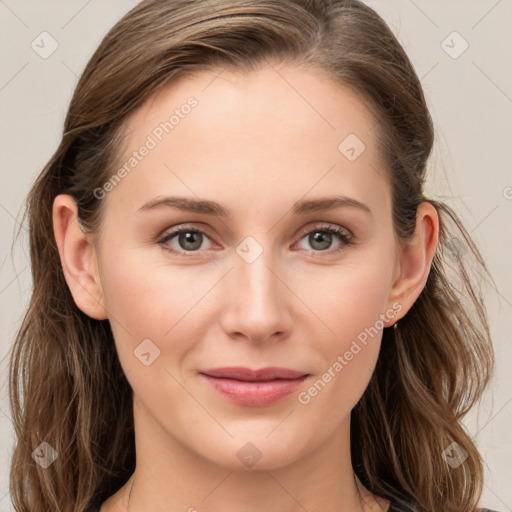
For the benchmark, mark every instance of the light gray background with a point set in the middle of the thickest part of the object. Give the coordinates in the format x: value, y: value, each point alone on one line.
x: 470, y: 98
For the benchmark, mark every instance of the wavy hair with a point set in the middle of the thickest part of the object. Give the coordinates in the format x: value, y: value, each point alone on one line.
x: 64, y: 373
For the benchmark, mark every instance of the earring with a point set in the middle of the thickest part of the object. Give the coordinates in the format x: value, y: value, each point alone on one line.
x: 395, y: 326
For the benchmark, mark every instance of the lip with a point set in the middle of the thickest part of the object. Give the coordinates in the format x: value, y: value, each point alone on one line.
x: 256, y: 388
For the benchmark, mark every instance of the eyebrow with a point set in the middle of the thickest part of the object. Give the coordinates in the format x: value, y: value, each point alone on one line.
x: 190, y: 204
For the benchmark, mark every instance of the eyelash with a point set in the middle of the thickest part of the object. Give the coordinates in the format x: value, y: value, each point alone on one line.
x: 346, y: 238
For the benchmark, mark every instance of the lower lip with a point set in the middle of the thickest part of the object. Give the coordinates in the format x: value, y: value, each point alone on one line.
x: 255, y: 394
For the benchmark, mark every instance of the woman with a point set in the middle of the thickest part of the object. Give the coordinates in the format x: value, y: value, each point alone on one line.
x: 242, y: 298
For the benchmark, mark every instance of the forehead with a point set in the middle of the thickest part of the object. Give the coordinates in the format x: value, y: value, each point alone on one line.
x: 287, y: 129
x: 268, y: 98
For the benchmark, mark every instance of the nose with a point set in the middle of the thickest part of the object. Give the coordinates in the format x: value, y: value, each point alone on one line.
x: 256, y: 300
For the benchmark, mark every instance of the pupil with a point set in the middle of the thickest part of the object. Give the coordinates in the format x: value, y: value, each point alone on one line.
x: 319, y: 236
x: 188, y: 238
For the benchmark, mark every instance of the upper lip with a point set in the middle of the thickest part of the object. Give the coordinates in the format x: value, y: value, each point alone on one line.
x: 246, y: 374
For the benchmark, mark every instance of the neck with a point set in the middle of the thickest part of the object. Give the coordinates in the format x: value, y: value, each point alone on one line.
x: 322, y: 479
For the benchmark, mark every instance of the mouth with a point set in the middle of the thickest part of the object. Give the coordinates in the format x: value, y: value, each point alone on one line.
x: 256, y: 388
x: 248, y: 375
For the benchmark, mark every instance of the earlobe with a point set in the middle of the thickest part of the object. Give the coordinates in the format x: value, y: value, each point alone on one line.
x: 416, y: 258
x: 78, y: 258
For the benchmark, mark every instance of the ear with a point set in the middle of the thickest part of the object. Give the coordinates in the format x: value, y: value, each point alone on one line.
x: 415, y: 259
x: 78, y: 258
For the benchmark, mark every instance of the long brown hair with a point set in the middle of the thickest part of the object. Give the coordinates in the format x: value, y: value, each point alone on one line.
x: 67, y: 387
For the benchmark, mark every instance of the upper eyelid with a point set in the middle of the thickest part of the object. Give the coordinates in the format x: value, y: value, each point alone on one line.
x: 177, y: 229
x: 324, y: 225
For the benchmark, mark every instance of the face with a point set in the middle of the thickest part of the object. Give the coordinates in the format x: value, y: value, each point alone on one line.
x: 267, y: 277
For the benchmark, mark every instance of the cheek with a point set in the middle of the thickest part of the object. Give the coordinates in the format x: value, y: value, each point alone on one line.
x: 155, y: 301
x: 350, y: 299
x: 134, y: 300
x: 351, y: 303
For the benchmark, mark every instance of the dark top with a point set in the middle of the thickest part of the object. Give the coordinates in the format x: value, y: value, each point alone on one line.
x: 393, y: 507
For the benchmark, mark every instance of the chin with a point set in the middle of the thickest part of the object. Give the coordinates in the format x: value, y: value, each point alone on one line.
x: 256, y: 453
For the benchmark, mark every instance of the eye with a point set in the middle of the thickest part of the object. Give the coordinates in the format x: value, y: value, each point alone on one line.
x: 321, y: 237
x: 188, y: 239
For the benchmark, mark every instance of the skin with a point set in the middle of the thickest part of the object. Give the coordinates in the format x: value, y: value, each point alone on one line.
x: 255, y: 143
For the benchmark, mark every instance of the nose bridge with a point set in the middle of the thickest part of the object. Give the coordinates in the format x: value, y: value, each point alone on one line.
x: 255, y: 299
